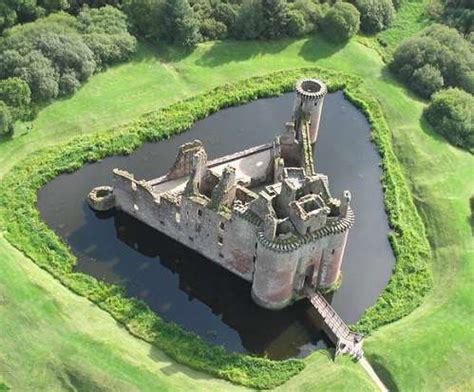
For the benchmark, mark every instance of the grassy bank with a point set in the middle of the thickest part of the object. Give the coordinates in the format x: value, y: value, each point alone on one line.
x: 404, y: 292
x: 429, y: 349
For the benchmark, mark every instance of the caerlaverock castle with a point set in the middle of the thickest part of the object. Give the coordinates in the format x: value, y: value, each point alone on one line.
x: 263, y: 213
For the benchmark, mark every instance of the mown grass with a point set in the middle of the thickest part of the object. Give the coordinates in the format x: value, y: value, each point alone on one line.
x: 52, y: 339
x: 409, y: 20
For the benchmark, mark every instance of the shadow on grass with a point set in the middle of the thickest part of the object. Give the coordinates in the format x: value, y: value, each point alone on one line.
x: 383, y: 373
x: 172, y: 367
x: 316, y: 47
x: 229, y: 51
x: 6, y: 138
x: 149, y: 51
x: 390, y: 78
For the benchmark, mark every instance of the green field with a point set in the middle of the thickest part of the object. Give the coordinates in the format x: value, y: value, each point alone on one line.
x: 52, y: 339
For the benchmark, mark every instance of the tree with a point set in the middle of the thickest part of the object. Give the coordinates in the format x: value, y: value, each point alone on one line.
x: 274, y: 18
x: 6, y: 122
x: 8, y: 16
x: 341, y: 22
x: 105, y: 33
x: 225, y: 13
x: 145, y: 16
x: 16, y: 94
x: 375, y: 15
x: 248, y: 22
x: 455, y: 13
x: 40, y: 75
x: 296, y: 24
x: 313, y: 13
x: 451, y: 114
x: 180, y: 25
x: 212, y: 29
x: 54, y: 55
x: 443, y: 49
x: 427, y: 80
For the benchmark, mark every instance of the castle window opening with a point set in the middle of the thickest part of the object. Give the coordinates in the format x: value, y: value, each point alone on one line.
x: 178, y: 217
x: 199, y: 212
x: 222, y: 225
x: 220, y: 240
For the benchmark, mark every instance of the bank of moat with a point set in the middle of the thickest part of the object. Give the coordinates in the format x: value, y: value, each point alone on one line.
x: 262, y: 213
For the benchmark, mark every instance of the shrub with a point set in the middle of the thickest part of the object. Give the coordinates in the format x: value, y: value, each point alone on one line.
x: 427, y: 80
x: 451, y: 114
x: 313, y: 13
x: 105, y: 32
x: 6, y: 122
x: 17, y: 96
x: 68, y: 82
x: 212, y: 29
x: 296, y: 24
x: 437, y: 47
x: 375, y: 15
x: 341, y: 22
x: 225, y: 13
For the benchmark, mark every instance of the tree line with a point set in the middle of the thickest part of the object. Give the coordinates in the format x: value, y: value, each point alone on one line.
x: 187, y: 22
x: 50, y: 47
x: 53, y: 56
x: 438, y: 63
x: 455, y: 13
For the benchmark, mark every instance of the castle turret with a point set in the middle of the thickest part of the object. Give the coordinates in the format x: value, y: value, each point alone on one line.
x: 308, y: 105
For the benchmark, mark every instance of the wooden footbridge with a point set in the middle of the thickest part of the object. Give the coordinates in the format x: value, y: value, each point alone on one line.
x: 346, y: 341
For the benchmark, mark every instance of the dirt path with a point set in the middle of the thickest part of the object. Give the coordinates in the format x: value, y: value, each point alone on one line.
x: 371, y: 372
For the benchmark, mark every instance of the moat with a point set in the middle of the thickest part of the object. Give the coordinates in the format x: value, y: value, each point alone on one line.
x: 184, y: 287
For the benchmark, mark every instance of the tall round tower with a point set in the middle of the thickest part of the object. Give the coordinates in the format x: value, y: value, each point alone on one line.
x: 308, y: 105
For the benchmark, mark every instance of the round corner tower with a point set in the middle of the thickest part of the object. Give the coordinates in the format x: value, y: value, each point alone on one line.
x: 308, y: 105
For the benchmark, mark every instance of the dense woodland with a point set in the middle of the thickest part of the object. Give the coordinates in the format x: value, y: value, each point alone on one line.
x: 50, y: 47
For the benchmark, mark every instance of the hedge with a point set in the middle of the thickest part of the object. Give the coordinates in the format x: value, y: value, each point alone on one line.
x: 26, y: 231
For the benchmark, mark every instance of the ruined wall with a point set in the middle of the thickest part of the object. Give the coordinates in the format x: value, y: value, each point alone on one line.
x: 228, y: 242
x: 332, y: 259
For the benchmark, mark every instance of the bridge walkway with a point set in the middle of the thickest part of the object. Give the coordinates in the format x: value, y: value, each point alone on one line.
x: 346, y: 341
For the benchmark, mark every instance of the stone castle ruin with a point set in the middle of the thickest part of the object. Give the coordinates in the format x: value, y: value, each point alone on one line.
x: 262, y: 213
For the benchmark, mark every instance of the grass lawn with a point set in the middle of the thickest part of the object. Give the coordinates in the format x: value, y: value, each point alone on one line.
x: 52, y: 339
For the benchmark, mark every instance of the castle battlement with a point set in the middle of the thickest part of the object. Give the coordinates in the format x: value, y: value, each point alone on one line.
x: 262, y: 213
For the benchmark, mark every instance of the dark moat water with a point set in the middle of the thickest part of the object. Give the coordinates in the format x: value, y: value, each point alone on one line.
x: 190, y: 290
